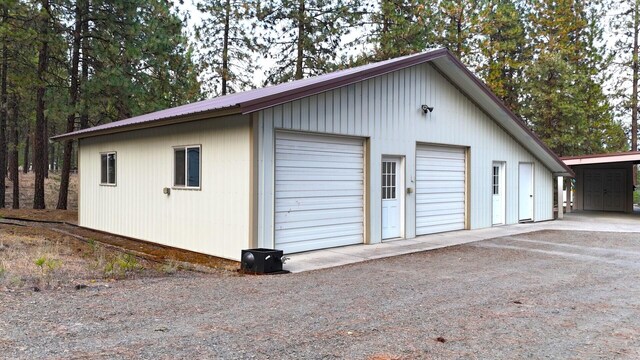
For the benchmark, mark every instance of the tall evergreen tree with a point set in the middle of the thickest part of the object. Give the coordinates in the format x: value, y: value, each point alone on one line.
x: 139, y: 59
x: 227, y: 37
x: 626, y: 28
x: 503, y: 46
x: 399, y: 27
x: 566, y: 105
x: 304, y: 36
x: 76, y: 40
x: 40, y: 162
x: 456, y: 23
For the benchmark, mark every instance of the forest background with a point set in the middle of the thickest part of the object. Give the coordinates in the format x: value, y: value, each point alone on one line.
x: 568, y: 68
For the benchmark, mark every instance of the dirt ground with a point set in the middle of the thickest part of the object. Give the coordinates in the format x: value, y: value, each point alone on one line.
x: 40, y: 259
x: 51, y: 191
x: 549, y: 294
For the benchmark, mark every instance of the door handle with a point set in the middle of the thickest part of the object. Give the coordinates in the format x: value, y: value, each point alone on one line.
x: 530, y: 195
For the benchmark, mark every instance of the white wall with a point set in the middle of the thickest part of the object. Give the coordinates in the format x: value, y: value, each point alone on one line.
x: 213, y: 220
x: 386, y: 110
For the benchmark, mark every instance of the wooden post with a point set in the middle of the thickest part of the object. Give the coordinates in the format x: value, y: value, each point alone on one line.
x: 568, y: 185
x: 559, y: 188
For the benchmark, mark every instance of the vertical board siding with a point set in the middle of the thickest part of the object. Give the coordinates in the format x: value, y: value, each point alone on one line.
x: 213, y: 220
x: 387, y: 111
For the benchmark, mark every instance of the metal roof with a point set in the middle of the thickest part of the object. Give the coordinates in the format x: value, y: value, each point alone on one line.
x: 630, y: 156
x: 258, y: 99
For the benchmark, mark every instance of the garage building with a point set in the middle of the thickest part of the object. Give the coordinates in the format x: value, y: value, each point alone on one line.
x: 392, y: 150
x: 603, y: 182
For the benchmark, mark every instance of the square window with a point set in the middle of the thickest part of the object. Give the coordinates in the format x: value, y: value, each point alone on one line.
x: 186, y: 170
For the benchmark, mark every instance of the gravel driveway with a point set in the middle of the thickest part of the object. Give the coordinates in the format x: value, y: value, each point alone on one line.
x: 549, y: 294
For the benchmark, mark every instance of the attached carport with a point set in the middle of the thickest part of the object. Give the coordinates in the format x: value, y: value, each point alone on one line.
x: 603, y: 182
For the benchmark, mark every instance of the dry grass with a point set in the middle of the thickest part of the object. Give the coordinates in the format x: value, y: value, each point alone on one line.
x: 43, y: 258
x: 51, y: 191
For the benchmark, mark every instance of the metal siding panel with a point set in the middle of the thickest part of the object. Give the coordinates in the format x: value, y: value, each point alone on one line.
x: 319, y: 198
x: 391, y: 119
x: 212, y: 220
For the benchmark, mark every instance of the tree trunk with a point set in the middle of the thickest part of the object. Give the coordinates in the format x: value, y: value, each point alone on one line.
x: 52, y: 150
x: 634, y: 87
x: 3, y: 113
x: 300, y: 43
x: 40, y: 148
x: 13, y: 152
x: 84, y: 113
x: 225, y: 47
x: 27, y: 143
x: 71, y: 118
x: 45, y: 142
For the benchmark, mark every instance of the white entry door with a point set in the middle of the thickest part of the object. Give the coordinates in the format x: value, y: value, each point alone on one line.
x: 525, y: 192
x: 392, y: 191
x: 497, y: 188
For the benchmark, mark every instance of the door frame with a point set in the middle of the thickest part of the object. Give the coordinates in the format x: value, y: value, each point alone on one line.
x: 533, y: 192
x: 502, y: 187
x: 401, y: 190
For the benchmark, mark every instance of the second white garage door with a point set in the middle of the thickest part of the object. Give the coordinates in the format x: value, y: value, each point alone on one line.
x: 319, y: 193
x: 440, y: 189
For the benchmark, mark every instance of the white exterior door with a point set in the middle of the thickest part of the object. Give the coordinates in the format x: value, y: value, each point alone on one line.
x: 319, y: 192
x: 525, y: 192
x: 392, y: 192
x: 497, y: 189
x: 440, y: 189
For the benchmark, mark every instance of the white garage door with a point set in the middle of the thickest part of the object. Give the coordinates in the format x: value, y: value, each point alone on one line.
x: 319, y: 192
x: 440, y: 189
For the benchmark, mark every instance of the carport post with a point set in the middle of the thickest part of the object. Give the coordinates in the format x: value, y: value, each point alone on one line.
x: 568, y: 184
x: 559, y: 187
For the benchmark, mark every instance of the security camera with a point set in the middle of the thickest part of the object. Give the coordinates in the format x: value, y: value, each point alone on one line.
x: 427, y: 109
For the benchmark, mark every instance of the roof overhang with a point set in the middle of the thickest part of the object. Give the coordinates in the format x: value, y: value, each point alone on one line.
x: 478, y: 91
x: 255, y: 100
x: 626, y: 157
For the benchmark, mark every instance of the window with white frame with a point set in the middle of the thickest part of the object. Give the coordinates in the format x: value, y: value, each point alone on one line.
x: 186, y: 166
x: 108, y: 168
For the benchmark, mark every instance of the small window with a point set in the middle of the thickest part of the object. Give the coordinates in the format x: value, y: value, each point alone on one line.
x: 388, y: 180
x: 496, y: 180
x: 186, y: 172
x: 108, y: 168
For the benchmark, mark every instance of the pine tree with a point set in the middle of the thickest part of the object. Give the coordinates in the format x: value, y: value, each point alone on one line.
x: 456, y: 24
x: 626, y: 28
x: 303, y: 37
x: 565, y: 103
x: 228, y: 41
x: 504, y: 48
x: 399, y: 27
x: 140, y: 60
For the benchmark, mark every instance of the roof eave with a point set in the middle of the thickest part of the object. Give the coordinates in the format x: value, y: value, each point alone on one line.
x: 561, y: 169
x: 207, y: 114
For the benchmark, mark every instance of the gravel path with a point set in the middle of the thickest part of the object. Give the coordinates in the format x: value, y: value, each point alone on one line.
x: 550, y: 294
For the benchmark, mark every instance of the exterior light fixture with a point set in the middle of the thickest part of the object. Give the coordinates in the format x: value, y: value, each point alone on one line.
x: 427, y: 109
